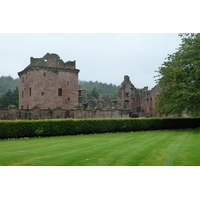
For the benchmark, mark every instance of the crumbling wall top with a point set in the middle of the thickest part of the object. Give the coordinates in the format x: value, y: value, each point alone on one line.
x: 50, y: 61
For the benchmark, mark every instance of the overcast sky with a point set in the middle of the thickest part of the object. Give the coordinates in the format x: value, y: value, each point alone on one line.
x: 102, y: 57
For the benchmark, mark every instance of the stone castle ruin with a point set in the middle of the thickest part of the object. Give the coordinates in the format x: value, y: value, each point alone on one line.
x: 48, y: 82
x: 135, y: 102
x: 140, y: 102
x: 48, y: 88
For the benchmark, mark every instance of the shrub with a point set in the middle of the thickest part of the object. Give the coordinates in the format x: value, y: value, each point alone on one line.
x: 56, y: 127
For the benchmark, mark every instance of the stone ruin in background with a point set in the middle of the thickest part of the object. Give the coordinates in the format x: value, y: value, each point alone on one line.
x: 135, y: 102
x: 48, y: 89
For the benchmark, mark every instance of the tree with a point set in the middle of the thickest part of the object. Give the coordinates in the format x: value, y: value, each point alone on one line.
x: 94, y: 94
x: 7, y: 82
x: 11, y: 97
x: 179, y: 78
x: 103, y: 89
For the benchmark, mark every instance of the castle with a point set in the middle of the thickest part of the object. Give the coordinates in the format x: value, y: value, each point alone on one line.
x: 48, y: 88
x: 48, y: 82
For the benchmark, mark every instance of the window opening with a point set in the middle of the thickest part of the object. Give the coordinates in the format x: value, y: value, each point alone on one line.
x: 126, y: 104
x: 59, y: 91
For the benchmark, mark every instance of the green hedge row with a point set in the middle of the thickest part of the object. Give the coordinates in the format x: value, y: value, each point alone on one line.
x: 35, y: 128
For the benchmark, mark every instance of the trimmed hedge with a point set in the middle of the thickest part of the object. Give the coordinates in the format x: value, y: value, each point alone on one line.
x: 35, y: 128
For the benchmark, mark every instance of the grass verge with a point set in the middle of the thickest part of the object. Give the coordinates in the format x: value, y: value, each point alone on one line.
x: 150, y: 148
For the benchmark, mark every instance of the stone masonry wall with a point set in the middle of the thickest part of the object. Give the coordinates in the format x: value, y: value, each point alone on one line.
x: 140, y: 102
x: 48, y: 83
x: 36, y: 114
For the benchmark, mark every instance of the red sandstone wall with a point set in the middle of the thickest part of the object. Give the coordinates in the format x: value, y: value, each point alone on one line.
x: 26, y: 82
x: 35, y: 114
x: 44, y: 89
x: 141, y: 101
x: 127, y: 95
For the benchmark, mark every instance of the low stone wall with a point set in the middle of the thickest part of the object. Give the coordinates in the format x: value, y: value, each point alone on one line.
x: 82, y: 114
x: 36, y: 113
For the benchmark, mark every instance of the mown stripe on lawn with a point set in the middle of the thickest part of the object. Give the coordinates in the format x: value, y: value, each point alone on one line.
x: 152, y: 148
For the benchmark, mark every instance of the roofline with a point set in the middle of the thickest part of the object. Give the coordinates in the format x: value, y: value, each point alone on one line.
x: 31, y: 68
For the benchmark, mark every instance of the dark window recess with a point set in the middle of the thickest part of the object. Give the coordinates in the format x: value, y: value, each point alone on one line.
x: 42, y: 93
x: 126, y: 104
x: 44, y: 74
x: 139, y: 109
x: 68, y: 98
x: 22, y: 94
x: 59, y: 91
x: 30, y: 91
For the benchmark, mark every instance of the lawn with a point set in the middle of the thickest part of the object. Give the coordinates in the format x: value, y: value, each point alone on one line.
x: 150, y: 148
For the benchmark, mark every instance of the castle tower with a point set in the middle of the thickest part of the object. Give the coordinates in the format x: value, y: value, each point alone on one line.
x: 48, y: 82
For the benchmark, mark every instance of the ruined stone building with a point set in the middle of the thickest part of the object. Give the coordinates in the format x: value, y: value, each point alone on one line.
x: 48, y: 88
x: 140, y: 102
x: 48, y: 82
x: 130, y: 101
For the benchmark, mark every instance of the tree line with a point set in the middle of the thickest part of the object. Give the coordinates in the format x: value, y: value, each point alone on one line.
x: 97, y: 89
x: 7, y: 82
x: 9, y: 94
x: 10, y: 98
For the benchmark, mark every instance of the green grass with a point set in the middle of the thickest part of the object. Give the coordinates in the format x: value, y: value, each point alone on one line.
x: 150, y: 148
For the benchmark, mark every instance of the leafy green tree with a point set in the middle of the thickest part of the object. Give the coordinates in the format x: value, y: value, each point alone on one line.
x: 11, y: 97
x: 179, y: 78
